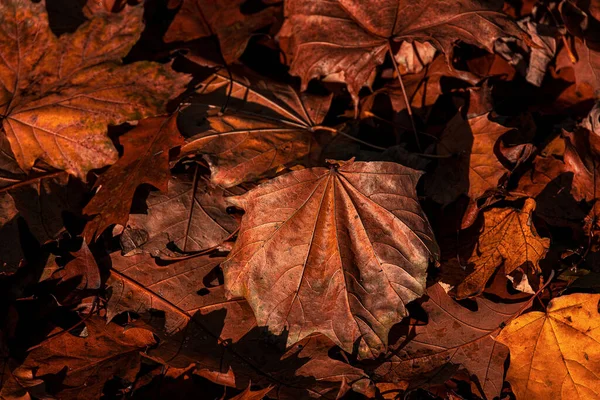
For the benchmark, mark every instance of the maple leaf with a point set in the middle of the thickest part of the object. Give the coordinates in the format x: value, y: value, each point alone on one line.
x: 225, y: 19
x: 272, y: 126
x: 337, y: 250
x: 555, y: 354
x: 191, y: 214
x: 351, y: 38
x: 59, y: 94
x: 108, y: 351
x: 453, y: 335
x: 508, y: 238
x: 471, y: 167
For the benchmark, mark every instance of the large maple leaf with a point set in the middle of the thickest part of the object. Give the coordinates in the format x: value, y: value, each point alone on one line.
x: 556, y: 354
x: 337, y: 250
x: 57, y: 95
x: 266, y: 125
x: 453, y: 335
x: 351, y: 37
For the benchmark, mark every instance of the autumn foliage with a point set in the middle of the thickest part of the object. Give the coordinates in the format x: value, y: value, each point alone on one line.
x: 290, y: 199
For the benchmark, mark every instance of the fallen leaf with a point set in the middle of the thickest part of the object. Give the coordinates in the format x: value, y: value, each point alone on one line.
x: 453, y: 335
x: 330, y: 249
x: 225, y: 19
x: 145, y: 160
x: 108, y: 351
x: 554, y: 355
x: 177, y: 289
x: 59, y: 94
x: 351, y: 38
x: 191, y: 214
x: 272, y: 126
x: 508, y: 238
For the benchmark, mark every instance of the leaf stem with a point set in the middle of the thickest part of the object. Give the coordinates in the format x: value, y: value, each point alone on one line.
x: 408, y: 106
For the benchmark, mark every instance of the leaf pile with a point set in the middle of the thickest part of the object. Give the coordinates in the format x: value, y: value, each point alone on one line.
x: 295, y: 199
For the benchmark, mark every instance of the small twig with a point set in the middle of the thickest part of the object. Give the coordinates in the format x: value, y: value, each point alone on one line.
x: 408, y: 107
x: 333, y: 130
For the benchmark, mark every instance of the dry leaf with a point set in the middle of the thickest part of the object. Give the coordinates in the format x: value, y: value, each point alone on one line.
x: 272, y: 125
x: 470, y: 166
x: 59, y: 94
x: 337, y: 250
x: 350, y: 38
x: 453, y: 335
x: 108, y: 351
x: 145, y: 160
x: 555, y: 355
x: 191, y: 214
x: 508, y: 238
x: 225, y: 19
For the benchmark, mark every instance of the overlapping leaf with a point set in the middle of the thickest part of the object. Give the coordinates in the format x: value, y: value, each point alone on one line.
x: 453, y: 335
x: 556, y: 354
x: 469, y: 164
x: 508, y: 238
x: 59, y: 94
x: 105, y: 351
x: 270, y: 126
x: 145, y: 160
x: 350, y: 38
x: 339, y: 251
x: 191, y: 215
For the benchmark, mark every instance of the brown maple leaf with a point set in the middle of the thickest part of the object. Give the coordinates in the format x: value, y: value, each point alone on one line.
x: 225, y: 19
x: 508, y: 238
x: 337, y: 250
x: 453, y: 335
x: 269, y: 126
x: 191, y: 214
x: 554, y: 355
x: 145, y: 160
x: 58, y: 95
x: 88, y: 362
x: 350, y: 38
